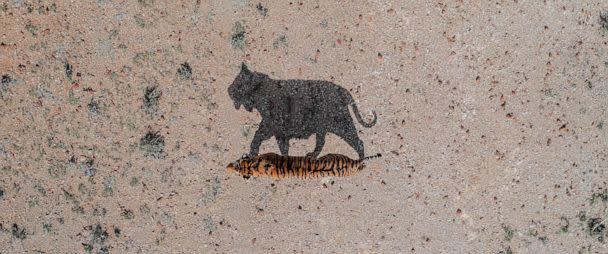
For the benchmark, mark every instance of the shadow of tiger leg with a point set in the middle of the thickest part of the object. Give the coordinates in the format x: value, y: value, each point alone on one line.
x: 319, y: 143
x: 353, y: 140
x: 283, y: 145
x: 263, y: 133
x: 348, y: 132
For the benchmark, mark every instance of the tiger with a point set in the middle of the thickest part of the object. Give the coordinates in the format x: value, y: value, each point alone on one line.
x: 279, y: 166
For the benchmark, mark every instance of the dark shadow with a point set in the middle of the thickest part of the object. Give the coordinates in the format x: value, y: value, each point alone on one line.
x: 297, y: 108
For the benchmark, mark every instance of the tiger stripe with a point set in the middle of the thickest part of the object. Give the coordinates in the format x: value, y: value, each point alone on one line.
x: 278, y: 167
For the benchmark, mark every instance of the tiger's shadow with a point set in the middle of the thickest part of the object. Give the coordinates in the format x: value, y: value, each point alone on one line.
x: 298, y: 109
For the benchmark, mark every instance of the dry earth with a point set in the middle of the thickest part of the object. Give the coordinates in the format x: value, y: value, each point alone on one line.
x: 116, y: 126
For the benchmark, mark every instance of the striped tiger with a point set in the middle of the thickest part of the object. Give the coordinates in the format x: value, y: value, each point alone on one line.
x: 278, y: 166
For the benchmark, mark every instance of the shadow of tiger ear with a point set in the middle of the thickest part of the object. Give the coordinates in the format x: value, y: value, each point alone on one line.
x: 244, y: 67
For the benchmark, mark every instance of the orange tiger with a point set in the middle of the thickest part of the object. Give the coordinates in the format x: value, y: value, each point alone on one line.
x: 278, y: 166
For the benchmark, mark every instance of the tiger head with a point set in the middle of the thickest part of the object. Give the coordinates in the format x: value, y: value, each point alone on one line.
x: 256, y: 166
x: 244, y: 166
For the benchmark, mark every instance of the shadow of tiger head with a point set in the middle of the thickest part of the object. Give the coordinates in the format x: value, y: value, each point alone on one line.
x: 243, y: 87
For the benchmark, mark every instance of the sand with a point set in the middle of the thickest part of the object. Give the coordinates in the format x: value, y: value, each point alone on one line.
x: 116, y: 126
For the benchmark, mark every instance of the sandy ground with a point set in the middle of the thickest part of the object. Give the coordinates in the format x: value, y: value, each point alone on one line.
x: 116, y: 126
